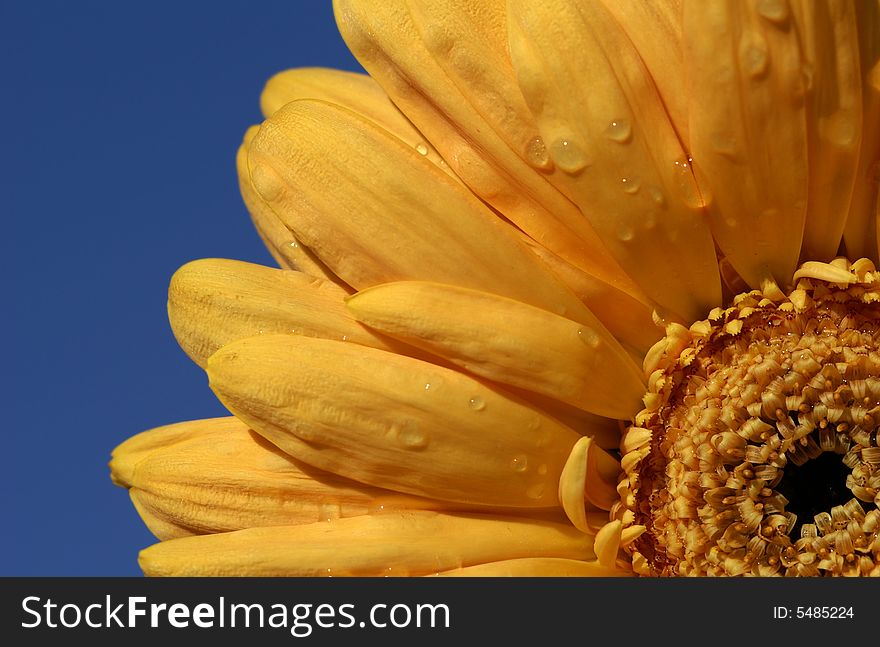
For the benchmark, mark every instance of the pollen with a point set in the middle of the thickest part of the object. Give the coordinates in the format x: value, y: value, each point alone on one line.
x: 764, y: 457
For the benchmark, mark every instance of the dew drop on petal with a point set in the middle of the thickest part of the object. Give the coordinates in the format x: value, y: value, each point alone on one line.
x: 631, y: 185
x: 625, y: 233
x: 568, y: 156
x: 657, y: 196
x: 535, y: 491
x: 536, y: 153
x: 839, y: 129
x: 421, y: 149
x: 619, y: 131
x: 685, y: 184
x: 477, y: 403
x: 266, y: 182
x: 519, y: 463
x: 776, y: 11
x: 753, y: 55
x: 589, y: 337
x: 329, y: 511
x: 410, y: 436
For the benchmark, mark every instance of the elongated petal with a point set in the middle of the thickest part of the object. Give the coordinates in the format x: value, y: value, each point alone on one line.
x: 509, y: 342
x: 219, y: 476
x: 860, y: 234
x: 538, y: 567
x: 829, y: 35
x: 445, y: 65
x: 374, y: 210
x: 608, y: 543
x: 212, y: 302
x: 582, y: 478
x: 656, y: 32
x: 356, y: 92
x: 279, y: 240
x: 392, y: 421
x: 629, y: 319
x: 746, y: 85
x: 622, y: 160
x: 395, y: 544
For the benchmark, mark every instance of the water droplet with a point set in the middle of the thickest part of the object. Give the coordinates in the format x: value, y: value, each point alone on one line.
x: 421, y: 149
x: 839, y: 129
x: 266, y: 182
x: 329, y: 511
x: 625, y: 233
x: 345, y: 338
x: 776, y: 11
x: 631, y: 185
x: 568, y: 156
x: 411, y: 437
x: 477, y: 403
x: 685, y: 183
x: 519, y: 463
x: 589, y: 337
x: 619, y: 131
x: 536, y: 153
x: 724, y: 144
x: 753, y: 55
x: 535, y: 491
x: 657, y: 196
x: 542, y: 469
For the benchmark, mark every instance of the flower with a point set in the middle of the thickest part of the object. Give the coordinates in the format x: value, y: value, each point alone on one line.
x: 567, y: 288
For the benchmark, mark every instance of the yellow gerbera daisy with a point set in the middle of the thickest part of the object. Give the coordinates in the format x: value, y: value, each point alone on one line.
x: 565, y: 290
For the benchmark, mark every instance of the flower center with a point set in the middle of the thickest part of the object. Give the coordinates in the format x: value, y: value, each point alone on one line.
x: 757, y: 452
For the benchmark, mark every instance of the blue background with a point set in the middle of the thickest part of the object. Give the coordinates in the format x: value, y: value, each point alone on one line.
x: 120, y: 123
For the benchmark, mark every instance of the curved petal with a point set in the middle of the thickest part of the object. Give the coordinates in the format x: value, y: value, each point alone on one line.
x: 374, y: 210
x: 356, y: 92
x: 748, y: 132
x: 508, y: 342
x: 860, y: 234
x: 656, y: 32
x: 392, y: 421
x: 392, y: 544
x: 622, y: 160
x: 538, y: 567
x: 218, y: 476
x: 829, y: 35
x: 279, y: 240
x: 461, y: 93
x: 212, y: 302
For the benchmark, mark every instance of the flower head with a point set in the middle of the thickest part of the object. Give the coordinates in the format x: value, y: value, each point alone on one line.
x: 564, y: 290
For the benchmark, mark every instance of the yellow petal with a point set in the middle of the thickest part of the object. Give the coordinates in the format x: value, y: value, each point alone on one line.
x: 356, y: 92
x: 608, y: 543
x: 748, y: 132
x: 860, y: 234
x: 446, y: 66
x: 829, y: 35
x: 508, y: 342
x: 279, y: 240
x: 392, y: 421
x: 538, y: 567
x: 655, y: 30
x: 395, y: 544
x: 592, y: 473
x: 622, y: 160
x: 628, y: 318
x: 374, y: 210
x: 212, y: 302
x: 219, y: 476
